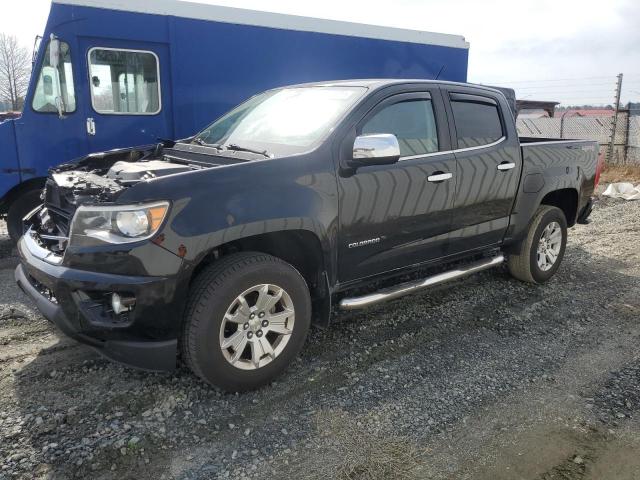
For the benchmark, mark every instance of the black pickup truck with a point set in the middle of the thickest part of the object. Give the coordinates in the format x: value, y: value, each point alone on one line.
x: 223, y: 248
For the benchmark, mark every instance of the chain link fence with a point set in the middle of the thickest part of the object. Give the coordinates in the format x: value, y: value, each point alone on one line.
x: 627, y: 138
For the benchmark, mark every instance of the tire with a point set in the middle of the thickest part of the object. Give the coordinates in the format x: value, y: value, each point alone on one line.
x: 526, y: 266
x: 18, y: 209
x: 214, y: 312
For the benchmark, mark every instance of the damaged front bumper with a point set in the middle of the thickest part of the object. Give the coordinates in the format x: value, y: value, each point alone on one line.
x: 77, y: 302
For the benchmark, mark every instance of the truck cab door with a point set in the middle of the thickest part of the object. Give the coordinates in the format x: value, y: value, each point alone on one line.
x: 489, y: 163
x: 398, y: 215
x: 49, y: 131
x: 129, y: 101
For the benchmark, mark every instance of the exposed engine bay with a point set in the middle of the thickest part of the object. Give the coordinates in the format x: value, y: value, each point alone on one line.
x: 101, y: 178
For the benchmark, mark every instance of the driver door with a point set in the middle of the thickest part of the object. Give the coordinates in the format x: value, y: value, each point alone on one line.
x: 398, y: 215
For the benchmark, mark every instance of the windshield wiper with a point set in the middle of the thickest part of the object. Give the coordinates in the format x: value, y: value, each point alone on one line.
x: 199, y: 141
x: 238, y: 148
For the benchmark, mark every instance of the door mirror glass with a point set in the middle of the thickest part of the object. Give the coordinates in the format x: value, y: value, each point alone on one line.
x: 54, y: 52
x: 376, y: 149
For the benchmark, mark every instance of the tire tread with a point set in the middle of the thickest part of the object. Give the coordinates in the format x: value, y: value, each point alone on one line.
x: 520, y: 265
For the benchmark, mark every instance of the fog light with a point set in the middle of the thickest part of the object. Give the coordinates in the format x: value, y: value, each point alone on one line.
x: 122, y: 304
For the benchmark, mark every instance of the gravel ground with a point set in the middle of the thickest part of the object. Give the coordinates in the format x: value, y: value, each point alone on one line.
x: 486, y: 378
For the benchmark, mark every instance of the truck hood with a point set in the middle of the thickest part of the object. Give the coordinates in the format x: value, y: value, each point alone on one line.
x: 101, y: 178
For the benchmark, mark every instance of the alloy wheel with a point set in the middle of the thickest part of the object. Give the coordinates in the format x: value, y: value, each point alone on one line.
x: 257, y: 326
x: 549, y: 246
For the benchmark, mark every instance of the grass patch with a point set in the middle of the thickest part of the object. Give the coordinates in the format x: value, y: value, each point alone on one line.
x: 620, y: 173
x: 358, y: 448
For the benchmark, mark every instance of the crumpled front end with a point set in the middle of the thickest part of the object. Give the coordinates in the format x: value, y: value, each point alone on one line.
x: 124, y: 299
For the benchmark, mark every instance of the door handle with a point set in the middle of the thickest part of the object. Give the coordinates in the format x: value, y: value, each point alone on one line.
x: 91, y: 126
x: 439, y: 177
x: 506, y: 166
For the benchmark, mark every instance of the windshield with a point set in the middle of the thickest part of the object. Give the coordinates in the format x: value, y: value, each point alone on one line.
x: 284, y: 121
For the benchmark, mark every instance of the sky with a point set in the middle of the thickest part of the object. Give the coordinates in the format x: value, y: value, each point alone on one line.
x: 562, y: 50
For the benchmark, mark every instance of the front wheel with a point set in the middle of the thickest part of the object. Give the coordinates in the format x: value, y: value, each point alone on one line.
x: 18, y: 209
x: 543, y: 249
x: 247, y: 318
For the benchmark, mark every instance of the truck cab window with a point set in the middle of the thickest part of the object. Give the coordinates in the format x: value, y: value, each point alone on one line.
x: 412, y: 122
x: 124, y: 82
x: 55, y: 85
x: 477, y: 123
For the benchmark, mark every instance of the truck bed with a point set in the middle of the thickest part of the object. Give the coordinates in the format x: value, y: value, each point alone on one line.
x: 551, y: 164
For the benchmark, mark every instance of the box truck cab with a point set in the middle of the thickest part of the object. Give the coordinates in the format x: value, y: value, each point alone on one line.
x: 111, y: 74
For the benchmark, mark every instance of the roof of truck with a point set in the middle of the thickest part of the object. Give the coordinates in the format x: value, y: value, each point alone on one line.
x: 374, y: 83
x: 206, y: 11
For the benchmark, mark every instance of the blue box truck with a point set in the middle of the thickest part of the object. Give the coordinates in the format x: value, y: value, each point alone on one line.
x: 114, y: 73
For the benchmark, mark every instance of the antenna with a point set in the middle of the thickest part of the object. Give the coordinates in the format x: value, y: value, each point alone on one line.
x: 441, y: 69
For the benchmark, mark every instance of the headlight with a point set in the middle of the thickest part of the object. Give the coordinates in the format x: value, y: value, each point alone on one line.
x: 119, y: 224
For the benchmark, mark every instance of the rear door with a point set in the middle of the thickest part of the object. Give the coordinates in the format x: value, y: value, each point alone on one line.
x: 488, y: 160
x: 129, y: 89
x: 394, y: 216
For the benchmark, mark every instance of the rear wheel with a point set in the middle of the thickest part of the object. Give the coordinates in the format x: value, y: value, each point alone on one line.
x: 18, y: 209
x: 247, y: 318
x: 543, y: 248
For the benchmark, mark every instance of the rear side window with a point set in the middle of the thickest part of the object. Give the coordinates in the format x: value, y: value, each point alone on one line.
x: 124, y: 82
x: 412, y: 122
x: 477, y: 123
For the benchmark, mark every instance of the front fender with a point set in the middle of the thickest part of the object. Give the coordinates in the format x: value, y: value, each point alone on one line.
x: 223, y: 204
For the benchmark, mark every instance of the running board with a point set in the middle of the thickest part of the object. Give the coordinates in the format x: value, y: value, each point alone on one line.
x: 406, y: 288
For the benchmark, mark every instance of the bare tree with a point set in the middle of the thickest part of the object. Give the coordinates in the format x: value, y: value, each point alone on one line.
x: 15, y: 69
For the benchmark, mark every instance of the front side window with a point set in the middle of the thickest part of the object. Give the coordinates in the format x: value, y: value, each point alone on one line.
x: 477, y: 123
x: 124, y: 82
x: 412, y: 122
x: 54, y: 91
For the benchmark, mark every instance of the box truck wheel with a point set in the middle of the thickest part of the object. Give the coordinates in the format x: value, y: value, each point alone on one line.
x: 246, y: 319
x: 543, y: 248
x: 22, y: 205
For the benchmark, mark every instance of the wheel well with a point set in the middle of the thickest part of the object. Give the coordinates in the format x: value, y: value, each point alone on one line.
x: 566, y: 200
x: 299, y: 248
x: 15, y: 193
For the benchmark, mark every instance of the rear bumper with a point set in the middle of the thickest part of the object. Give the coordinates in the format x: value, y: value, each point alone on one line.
x: 58, y: 292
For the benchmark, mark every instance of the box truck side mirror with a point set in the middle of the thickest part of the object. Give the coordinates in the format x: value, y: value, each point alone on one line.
x: 54, y: 52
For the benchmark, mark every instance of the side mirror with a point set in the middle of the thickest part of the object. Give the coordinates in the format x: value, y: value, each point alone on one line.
x: 54, y: 62
x: 54, y: 52
x: 376, y: 149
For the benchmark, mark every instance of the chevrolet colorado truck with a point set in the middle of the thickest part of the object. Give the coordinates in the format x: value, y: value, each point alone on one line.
x: 222, y: 249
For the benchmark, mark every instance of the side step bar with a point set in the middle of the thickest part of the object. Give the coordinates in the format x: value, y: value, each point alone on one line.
x: 406, y: 288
